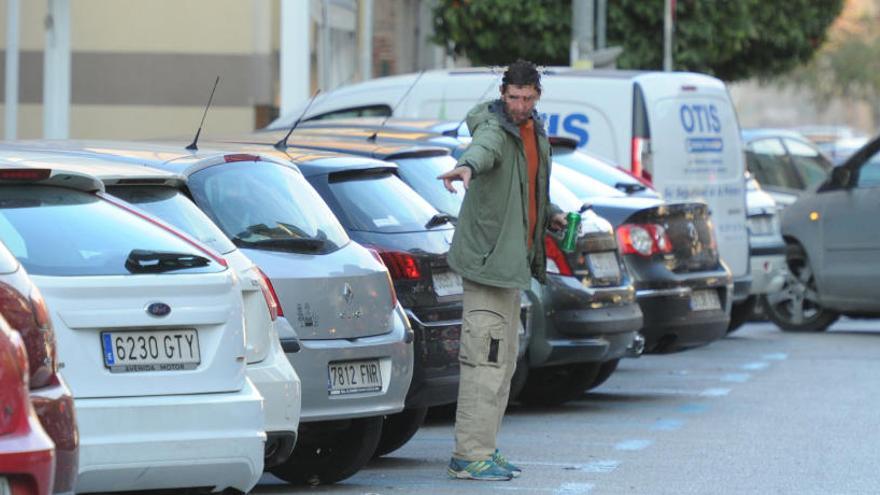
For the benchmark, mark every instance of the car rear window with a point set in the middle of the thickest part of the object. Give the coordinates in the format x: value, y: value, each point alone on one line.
x: 263, y: 205
x: 766, y: 159
x: 563, y: 198
x: 597, y: 169
x: 63, y: 232
x: 172, y: 206
x: 380, y: 202
x: 421, y: 175
x: 583, y: 186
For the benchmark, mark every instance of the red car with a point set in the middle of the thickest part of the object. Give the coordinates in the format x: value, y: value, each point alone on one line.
x: 24, y: 309
x: 27, y: 456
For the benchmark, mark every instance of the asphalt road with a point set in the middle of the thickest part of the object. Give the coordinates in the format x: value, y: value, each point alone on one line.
x: 759, y: 412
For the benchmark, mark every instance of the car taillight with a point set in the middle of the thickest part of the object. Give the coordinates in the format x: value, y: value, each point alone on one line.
x: 556, y: 262
x: 272, y: 302
x: 401, y: 266
x: 15, y: 403
x: 645, y: 239
x: 240, y: 157
x: 44, y: 324
x: 640, y: 161
x: 25, y: 174
x: 166, y: 227
x: 378, y: 257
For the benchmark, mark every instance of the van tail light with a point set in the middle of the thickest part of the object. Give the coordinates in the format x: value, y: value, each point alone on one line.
x: 641, y: 158
x: 644, y: 239
x: 381, y: 261
x: 44, y: 325
x: 272, y: 302
x: 166, y: 227
x: 556, y: 261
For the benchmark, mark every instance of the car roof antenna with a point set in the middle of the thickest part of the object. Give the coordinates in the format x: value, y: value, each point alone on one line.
x: 194, y: 146
x: 454, y: 131
x: 281, y: 145
x: 372, y: 137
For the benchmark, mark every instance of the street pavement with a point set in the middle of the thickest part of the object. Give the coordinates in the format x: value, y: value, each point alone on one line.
x: 759, y: 412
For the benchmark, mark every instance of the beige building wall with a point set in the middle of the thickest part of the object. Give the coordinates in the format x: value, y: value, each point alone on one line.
x: 144, y: 69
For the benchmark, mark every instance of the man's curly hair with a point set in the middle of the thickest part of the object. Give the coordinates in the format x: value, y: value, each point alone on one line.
x: 521, y: 73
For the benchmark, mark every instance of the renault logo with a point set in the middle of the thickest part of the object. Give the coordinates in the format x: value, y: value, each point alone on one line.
x: 159, y: 309
x: 347, y: 293
x: 693, y: 235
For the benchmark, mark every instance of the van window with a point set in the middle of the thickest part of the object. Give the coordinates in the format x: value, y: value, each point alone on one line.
x: 767, y: 161
x: 348, y: 113
x: 63, y: 232
x: 810, y: 165
x: 263, y: 205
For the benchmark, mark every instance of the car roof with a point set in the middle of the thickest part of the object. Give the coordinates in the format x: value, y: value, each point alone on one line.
x: 107, y: 169
x: 753, y: 134
x: 332, y: 142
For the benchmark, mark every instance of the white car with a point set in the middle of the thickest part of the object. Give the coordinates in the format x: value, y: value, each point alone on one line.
x: 150, y: 336
x: 159, y: 194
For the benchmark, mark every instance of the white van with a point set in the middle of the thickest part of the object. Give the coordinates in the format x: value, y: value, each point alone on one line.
x: 677, y: 129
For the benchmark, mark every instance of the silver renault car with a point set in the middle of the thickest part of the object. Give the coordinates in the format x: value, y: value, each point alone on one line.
x: 356, y: 358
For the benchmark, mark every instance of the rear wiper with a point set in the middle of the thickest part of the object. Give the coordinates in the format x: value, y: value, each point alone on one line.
x: 439, y: 219
x: 629, y: 187
x: 145, y: 261
x: 285, y: 244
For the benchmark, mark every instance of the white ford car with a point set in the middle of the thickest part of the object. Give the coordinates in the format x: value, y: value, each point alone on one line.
x: 158, y: 193
x: 150, y: 336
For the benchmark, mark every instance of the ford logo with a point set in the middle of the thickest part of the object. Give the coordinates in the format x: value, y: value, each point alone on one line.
x: 159, y: 309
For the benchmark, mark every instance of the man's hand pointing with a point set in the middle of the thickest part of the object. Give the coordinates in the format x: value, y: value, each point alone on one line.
x: 461, y: 173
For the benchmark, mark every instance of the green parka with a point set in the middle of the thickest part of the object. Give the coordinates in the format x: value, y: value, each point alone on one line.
x: 489, y: 245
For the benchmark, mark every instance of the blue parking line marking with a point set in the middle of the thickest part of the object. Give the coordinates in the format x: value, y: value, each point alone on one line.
x: 776, y: 356
x: 736, y: 377
x: 633, y: 444
x: 757, y: 365
x: 693, y: 408
x: 574, y: 489
x: 667, y: 424
x: 715, y: 392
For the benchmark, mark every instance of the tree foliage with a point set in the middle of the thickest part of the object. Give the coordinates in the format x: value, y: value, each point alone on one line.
x: 729, y: 39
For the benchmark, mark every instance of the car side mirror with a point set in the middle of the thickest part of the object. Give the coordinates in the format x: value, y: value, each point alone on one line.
x: 841, y: 177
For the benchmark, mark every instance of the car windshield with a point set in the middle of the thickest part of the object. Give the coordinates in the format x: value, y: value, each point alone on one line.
x: 381, y: 202
x: 597, y: 169
x: 421, y: 175
x: 63, y: 232
x: 172, y: 206
x: 264, y: 205
x: 583, y: 186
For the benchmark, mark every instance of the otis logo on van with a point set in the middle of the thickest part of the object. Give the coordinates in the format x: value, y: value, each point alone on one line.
x: 574, y: 124
x: 701, y: 119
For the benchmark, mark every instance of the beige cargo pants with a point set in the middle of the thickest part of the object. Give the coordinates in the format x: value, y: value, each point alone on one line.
x: 487, y: 355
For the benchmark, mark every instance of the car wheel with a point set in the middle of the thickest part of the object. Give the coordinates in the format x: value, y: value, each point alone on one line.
x: 741, y: 312
x: 334, y: 455
x: 796, y: 307
x: 555, y: 385
x: 398, y: 428
x: 605, y: 371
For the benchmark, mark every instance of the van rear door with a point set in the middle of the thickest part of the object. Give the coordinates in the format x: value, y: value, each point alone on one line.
x: 697, y: 154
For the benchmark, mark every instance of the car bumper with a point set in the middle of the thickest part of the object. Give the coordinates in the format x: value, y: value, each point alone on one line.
x: 671, y: 324
x: 280, y: 386
x: 768, y: 268
x: 27, y: 458
x: 572, y: 324
x: 394, y: 351
x: 55, y: 407
x: 149, y: 443
x: 436, y: 369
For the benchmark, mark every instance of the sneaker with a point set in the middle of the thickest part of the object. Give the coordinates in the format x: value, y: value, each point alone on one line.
x: 477, y: 470
x: 498, y: 458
